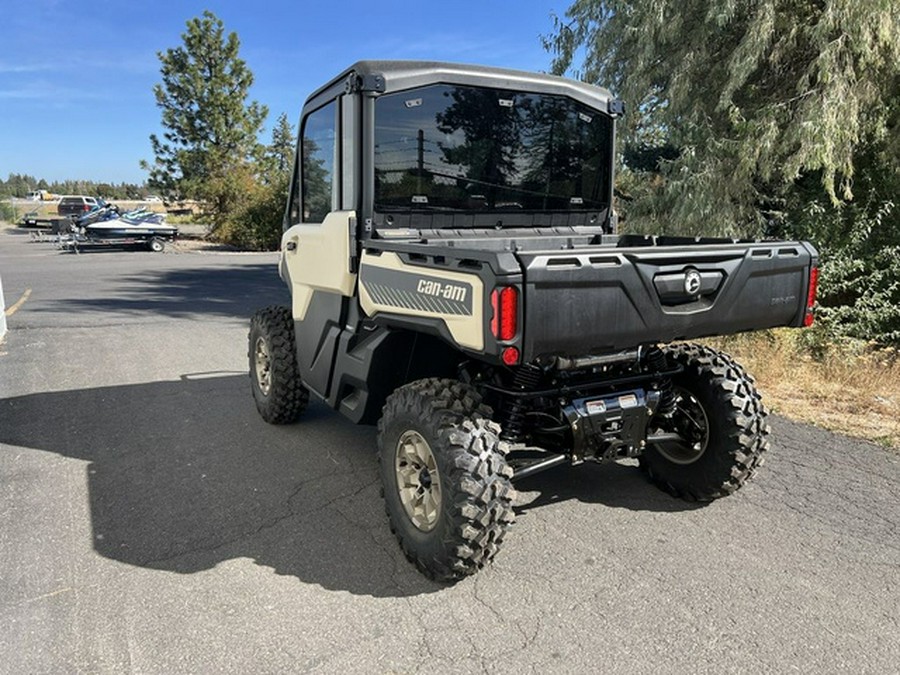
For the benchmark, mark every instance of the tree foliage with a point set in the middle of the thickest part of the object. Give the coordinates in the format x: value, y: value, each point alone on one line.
x: 19, y: 185
x: 753, y: 94
x: 280, y: 151
x: 210, y: 129
x: 765, y: 117
x: 256, y: 221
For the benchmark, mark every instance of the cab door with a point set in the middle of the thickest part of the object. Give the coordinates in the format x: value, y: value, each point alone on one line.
x: 316, y: 246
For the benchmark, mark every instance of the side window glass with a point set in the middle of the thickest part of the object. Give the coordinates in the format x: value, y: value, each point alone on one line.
x: 294, y: 213
x: 319, y: 140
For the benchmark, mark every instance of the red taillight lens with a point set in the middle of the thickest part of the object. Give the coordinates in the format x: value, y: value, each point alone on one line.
x: 811, y: 296
x: 85, y: 207
x: 509, y: 307
x: 510, y: 356
x: 505, y: 303
x: 495, y: 317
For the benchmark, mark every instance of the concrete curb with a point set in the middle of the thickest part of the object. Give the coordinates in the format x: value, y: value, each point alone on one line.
x: 2, y: 312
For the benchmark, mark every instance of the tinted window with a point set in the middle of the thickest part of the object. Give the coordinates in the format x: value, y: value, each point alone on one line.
x: 294, y: 212
x: 455, y: 148
x: 319, y: 140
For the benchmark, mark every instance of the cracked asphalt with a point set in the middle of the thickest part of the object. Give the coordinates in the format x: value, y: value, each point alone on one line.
x: 150, y: 522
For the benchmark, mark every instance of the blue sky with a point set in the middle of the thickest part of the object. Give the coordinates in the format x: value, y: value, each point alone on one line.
x: 76, y: 78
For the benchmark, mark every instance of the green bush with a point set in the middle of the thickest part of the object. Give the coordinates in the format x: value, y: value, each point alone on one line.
x: 255, y: 223
x: 859, y: 281
x: 7, y: 212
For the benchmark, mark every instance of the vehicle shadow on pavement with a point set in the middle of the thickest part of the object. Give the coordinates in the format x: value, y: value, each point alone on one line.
x: 183, y: 475
x: 226, y: 290
x: 614, y: 485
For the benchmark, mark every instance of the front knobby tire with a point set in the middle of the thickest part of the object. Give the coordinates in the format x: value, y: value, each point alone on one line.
x: 722, y: 421
x: 274, y: 377
x: 446, y: 484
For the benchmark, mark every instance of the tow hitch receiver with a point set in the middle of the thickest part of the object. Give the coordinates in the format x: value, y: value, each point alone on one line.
x: 610, y: 427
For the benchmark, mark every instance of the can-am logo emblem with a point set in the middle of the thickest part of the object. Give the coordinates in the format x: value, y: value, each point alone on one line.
x: 692, y: 282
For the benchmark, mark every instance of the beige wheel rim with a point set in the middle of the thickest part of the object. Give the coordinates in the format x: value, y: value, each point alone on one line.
x: 418, y: 481
x: 263, y: 366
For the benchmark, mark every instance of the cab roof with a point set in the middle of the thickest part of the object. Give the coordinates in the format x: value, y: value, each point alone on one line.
x: 384, y: 77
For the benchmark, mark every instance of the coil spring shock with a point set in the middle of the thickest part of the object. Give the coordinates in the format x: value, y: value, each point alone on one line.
x: 512, y: 420
x: 656, y: 361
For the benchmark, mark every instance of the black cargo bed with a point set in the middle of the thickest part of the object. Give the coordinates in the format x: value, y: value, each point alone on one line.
x: 586, y: 293
x: 594, y: 299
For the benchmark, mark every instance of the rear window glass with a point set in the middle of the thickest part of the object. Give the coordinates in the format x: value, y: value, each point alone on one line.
x: 447, y: 148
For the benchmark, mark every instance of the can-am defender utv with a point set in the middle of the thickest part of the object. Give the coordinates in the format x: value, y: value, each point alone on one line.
x: 451, y: 252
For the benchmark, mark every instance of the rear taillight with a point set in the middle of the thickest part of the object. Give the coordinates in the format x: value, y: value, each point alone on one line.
x: 505, y: 303
x: 811, y: 296
x: 510, y: 356
x: 85, y: 207
x: 505, y: 321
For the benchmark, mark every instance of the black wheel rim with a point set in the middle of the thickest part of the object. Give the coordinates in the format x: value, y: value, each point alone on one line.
x: 691, y: 424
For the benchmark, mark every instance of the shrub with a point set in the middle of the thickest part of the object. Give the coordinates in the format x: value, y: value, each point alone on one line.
x: 255, y: 223
x: 7, y: 212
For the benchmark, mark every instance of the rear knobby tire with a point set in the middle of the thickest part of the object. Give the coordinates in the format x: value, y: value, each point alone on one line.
x: 715, y: 392
x: 463, y: 523
x: 274, y: 377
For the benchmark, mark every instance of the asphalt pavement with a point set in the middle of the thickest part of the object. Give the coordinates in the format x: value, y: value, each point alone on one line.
x: 151, y: 522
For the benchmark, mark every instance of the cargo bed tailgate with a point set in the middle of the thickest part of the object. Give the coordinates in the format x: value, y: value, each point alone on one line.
x: 594, y: 299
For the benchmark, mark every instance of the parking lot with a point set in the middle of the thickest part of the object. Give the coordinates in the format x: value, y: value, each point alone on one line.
x: 151, y: 522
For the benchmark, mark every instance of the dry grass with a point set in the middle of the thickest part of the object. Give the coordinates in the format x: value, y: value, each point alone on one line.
x: 853, y: 390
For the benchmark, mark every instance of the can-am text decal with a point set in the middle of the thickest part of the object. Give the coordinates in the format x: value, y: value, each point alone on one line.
x: 415, y: 291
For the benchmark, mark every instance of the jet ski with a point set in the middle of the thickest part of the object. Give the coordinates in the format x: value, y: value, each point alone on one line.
x: 140, y: 226
x: 102, y: 211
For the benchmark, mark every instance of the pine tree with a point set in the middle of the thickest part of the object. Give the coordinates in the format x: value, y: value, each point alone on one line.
x: 210, y: 129
x: 281, y: 149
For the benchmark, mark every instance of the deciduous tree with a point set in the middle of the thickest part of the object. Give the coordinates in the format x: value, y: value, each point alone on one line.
x: 752, y: 94
x: 750, y: 117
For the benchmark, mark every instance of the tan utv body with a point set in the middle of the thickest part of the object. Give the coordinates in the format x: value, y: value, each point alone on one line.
x: 456, y: 277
